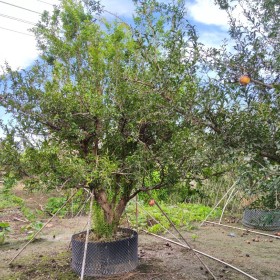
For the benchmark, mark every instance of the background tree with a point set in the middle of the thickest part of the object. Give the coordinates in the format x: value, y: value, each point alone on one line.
x: 244, y: 119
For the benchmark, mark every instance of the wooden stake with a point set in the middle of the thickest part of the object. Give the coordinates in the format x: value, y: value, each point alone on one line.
x: 136, y: 210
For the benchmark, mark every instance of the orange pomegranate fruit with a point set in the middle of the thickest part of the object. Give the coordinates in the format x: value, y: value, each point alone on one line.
x: 152, y: 202
x: 244, y: 80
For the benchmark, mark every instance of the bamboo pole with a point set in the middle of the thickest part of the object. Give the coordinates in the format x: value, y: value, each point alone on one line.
x: 232, y: 187
x: 136, y: 212
x: 87, y: 236
x: 203, y: 254
x: 81, y: 209
x: 244, y: 229
x: 226, y: 203
x: 41, y: 228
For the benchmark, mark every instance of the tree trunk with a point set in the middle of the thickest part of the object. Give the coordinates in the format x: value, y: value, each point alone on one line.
x: 112, y: 212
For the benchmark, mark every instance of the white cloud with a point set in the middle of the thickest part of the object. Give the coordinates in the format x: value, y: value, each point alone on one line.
x: 17, y: 49
x: 20, y: 50
x: 205, y: 11
x: 119, y: 7
x: 212, y: 39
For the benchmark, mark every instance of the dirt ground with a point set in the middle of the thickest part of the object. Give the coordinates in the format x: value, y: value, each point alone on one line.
x: 49, y: 257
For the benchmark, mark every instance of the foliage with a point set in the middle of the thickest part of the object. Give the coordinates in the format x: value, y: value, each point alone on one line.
x: 246, y: 117
x: 122, y: 109
x: 55, y: 203
x: 183, y: 215
x: 243, y: 121
x: 101, y: 229
x: 32, y: 229
x: 7, y: 198
x: 111, y: 105
x: 263, y: 184
x: 4, y: 229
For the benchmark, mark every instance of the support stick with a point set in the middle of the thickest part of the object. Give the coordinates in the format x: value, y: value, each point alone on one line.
x: 81, y: 209
x: 225, y: 206
x: 136, y: 210
x: 41, y: 229
x: 87, y: 235
x: 253, y: 231
x: 219, y: 201
x: 203, y: 254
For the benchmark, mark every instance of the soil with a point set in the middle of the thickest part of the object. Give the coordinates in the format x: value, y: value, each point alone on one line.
x: 94, y: 238
x: 49, y: 256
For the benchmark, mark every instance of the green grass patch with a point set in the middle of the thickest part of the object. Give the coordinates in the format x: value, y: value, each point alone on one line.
x: 9, y: 201
x: 183, y: 215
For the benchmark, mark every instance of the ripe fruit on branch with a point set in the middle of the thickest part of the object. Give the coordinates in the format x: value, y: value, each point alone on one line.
x: 152, y: 202
x: 244, y: 80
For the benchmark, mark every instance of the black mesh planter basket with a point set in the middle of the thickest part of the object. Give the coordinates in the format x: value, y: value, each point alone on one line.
x: 106, y: 258
x: 261, y: 219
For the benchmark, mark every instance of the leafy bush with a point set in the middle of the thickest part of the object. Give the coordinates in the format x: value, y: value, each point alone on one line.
x: 100, y: 228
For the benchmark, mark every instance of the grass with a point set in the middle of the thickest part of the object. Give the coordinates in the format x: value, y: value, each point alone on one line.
x: 9, y: 201
x: 183, y: 215
x: 55, y: 266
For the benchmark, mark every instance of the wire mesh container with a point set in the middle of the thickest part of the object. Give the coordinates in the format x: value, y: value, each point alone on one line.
x: 106, y: 258
x: 262, y: 219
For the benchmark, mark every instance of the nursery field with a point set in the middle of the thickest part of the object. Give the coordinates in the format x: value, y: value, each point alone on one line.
x: 49, y: 256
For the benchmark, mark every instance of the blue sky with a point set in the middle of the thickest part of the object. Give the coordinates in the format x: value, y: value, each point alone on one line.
x: 18, y: 46
x: 20, y: 49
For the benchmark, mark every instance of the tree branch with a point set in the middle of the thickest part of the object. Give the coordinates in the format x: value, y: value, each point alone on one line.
x: 156, y: 187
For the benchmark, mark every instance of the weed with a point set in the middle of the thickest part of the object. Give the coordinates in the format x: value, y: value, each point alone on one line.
x: 54, y: 204
x: 32, y: 228
x: 100, y: 227
x: 194, y: 237
x: 182, y: 215
x: 4, y: 229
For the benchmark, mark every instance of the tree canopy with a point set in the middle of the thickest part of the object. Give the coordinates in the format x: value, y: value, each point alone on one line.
x: 111, y: 105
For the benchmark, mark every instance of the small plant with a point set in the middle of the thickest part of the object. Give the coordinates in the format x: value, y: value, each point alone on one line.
x: 28, y: 213
x: 4, y: 229
x: 100, y: 228
x: 194, y: 236
x: 32, y: 228
x: 55, y: 203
